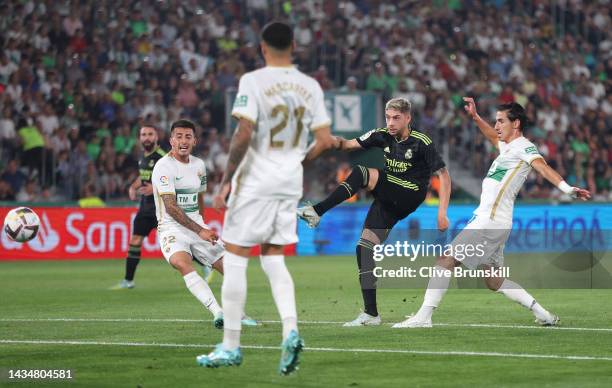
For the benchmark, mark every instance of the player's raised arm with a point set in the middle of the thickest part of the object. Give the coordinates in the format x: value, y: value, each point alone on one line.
x: 553, y: 177
x: 238, y: 148
x: 445, y: 191
x: 485, y: 128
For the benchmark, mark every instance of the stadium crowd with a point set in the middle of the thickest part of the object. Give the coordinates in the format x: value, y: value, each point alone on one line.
x: 78, y: 78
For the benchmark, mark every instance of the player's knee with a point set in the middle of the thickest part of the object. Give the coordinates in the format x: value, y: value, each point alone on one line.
x: 447, y: 262
x: 494, y: 284
x: 359, y: 177
x: 372, y: 178
x: 136, y: 240
x: 181, y: 264
x: 372, y: 236
x: 218, y: 265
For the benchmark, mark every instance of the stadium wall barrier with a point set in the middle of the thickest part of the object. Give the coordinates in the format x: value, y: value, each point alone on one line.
x: 76, y: 233
x: 549, y: 227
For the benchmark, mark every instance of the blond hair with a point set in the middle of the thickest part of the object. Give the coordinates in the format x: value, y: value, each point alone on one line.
x: 399, y: 104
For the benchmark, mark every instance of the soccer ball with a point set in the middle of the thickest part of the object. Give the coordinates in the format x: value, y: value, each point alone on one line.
x: 21, y: 224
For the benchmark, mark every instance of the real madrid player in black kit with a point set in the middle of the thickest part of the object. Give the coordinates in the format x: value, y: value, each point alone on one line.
x: 145, y: 220
x: 410, y: 161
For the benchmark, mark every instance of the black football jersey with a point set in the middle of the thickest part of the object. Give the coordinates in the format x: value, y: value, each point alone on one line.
x: 145, y: 168
x: 408, y: 163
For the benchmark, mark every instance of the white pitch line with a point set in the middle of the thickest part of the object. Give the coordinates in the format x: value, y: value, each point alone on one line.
x: 337, y: 350
x: 170, y: 320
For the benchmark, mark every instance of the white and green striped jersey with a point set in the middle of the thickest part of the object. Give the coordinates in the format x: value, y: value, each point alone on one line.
x: 505, y: 178
x: 184, y: 180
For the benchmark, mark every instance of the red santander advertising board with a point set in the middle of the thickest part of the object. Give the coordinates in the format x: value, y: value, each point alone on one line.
x: 76, y: 233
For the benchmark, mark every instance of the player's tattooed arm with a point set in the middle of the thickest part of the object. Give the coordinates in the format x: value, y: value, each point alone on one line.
x: 238, y: 148
x: 178, y: 214
x: 445, y: 190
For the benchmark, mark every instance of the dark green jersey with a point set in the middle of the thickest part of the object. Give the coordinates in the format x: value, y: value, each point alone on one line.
x: 408, y: 163
x: 145, y: 168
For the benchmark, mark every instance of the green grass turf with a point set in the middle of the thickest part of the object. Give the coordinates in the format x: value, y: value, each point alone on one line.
x: 327, y: 290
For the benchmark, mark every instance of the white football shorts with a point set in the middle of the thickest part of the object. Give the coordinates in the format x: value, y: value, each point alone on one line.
x: 251, y: 221
x: 174, y: 239
x: 481, y: 242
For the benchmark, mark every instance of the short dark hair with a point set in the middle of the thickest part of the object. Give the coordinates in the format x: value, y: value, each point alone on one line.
x: 277, y: 35
x: 515, y: 111
x: 183, y: 123
x: 147, y: 125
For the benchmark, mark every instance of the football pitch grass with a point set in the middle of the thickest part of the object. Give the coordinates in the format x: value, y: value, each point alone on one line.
x: 61, y: 315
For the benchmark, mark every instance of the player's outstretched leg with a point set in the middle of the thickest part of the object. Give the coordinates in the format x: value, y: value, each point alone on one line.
x: 515, y: 292
x: 283, y: 291
x: 436, y: 288
x: 182, y: 262
x: 367, y: 281
x: 358, y: 179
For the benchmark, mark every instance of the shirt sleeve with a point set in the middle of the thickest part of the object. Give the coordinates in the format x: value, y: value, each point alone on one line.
x: 163, y: 179
x: 433, y: 159
x: 245, y: 105
x: 529, y: 153
x: 320, y: 118
x: 203, y: 178
x: 373, y: 138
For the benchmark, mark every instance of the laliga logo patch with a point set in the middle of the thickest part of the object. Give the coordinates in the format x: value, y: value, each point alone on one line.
x: 366, y: 135
x: 163, y: 179
x: 408, y: 154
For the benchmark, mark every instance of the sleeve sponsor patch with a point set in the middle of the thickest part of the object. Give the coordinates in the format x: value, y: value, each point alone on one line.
x: 531, y: 150
x: 241, y: 101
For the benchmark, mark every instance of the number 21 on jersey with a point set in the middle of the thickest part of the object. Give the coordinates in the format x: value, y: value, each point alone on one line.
x: 283, y: 111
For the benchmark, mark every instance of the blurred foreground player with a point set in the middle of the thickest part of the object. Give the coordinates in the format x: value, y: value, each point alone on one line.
x: 145, y: 220
x: 277, y: 106
x: 492, y: 221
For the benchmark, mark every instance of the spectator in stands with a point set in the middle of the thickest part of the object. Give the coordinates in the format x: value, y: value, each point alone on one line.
x: 13, y: 176
x: 89, y: 197
x: 124, y: 62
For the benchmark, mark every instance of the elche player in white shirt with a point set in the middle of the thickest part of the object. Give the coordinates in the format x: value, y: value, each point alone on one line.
x: 277, y: 106
x: 179, y: 184
x: 492, y: 221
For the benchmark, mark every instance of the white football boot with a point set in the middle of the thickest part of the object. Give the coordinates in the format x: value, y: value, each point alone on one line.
x: 308, y: 214
x: 364, y: 319
x: 412, y: 322
x: 551, y: 320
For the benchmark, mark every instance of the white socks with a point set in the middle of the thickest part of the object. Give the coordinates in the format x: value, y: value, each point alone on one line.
x: 439, y: 282
x: 515, y: 292
x: 200, y: 289
x: 436, y: 288
x: 233, y: 297
x: 282, y: 290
